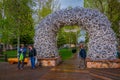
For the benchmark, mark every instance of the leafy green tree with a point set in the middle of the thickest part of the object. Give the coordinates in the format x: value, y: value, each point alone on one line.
x: 0, y: 20
x: 19, y: 14
x: 102, y: 5
x: 61, y: 41
x: 5, y: 30
x: 68, y: 35
x: 0, y: 10
x: 46, y: 7
x: 114, y: 16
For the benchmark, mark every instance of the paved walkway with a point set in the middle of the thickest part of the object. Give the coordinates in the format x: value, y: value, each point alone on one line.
x: 68, y: 70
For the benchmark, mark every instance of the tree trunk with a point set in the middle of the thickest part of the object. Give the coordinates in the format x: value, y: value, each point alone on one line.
x: 18, y: 43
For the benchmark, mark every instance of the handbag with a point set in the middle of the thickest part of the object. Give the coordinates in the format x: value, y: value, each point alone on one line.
x: 36, y: 60
x: 21, y: 57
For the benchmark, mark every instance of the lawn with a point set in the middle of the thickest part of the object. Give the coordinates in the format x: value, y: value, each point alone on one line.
x: 11, y: 53
x: 65, y: 53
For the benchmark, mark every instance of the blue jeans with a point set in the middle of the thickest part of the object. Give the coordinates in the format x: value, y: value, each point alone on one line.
x: 32, y: 62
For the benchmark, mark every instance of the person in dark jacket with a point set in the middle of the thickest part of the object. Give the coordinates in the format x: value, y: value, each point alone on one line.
x: 22, y: 51
x: 32, y: 55
x: 82, y: 55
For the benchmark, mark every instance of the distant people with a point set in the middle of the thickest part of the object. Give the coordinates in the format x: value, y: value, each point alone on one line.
x: 118, y: 52
x: 74, y: 50
x: 82, y: 55
x: 32, y: 55
x: 21, y: 56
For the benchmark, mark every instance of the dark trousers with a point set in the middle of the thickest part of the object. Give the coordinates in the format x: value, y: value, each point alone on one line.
x: 82, y: 63
x: 20, y: 64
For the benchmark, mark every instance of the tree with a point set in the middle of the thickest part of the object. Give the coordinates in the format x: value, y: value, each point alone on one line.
x: 5, y: 30
x: 114, y: 16
x: 19, y: 14
x: 68, y: 35
x: 44, y: 8
x: 61, y: 39
x: 96, y: 4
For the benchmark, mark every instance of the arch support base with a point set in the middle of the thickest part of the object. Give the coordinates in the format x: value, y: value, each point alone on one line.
x: 49, y: 61
x: 103, y: 63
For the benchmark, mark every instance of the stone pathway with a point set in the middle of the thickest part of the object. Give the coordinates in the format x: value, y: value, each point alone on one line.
x: 67, y: 70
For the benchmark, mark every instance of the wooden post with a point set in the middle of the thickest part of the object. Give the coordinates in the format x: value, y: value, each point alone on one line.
x: 5, y: 57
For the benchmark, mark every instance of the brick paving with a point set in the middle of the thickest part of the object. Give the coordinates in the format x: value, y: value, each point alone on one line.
x: 67, y: 70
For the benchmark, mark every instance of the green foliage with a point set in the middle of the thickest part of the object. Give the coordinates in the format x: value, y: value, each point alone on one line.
x: 114, y: 14
x: 10, y: 54
x: 19, y: 19
x: 61, y: 39
x: 96, y: 4
x: 65, y: 53
x: 20, y: 15
x: 66, y: 36
x: 0, y: 10
x: 86, y: 38
x: 45, y: 8
x: 5, y: 31
x: 24, y: 39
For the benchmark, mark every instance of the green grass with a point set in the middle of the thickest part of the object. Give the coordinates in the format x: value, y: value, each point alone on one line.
x: 2, y: 60
x: 11, y: 53
x: 65, y: 53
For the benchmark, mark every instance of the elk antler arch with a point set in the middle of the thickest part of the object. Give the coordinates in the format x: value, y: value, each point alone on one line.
x: 102, y: 41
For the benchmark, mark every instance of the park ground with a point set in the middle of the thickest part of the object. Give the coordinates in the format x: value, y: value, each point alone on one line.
x: 67, y: 70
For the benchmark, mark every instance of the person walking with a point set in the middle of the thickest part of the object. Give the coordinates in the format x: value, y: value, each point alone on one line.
x: 32, y: 55
x: 21, y: 56
x: 82, y: 56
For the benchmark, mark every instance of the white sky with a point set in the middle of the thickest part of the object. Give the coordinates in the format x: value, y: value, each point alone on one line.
x: 71, y: 3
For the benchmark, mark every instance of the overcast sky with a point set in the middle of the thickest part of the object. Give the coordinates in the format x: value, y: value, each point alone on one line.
x: 71, y: 3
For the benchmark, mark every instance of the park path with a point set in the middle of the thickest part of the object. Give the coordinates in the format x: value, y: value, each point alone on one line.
x: 67, y: 70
